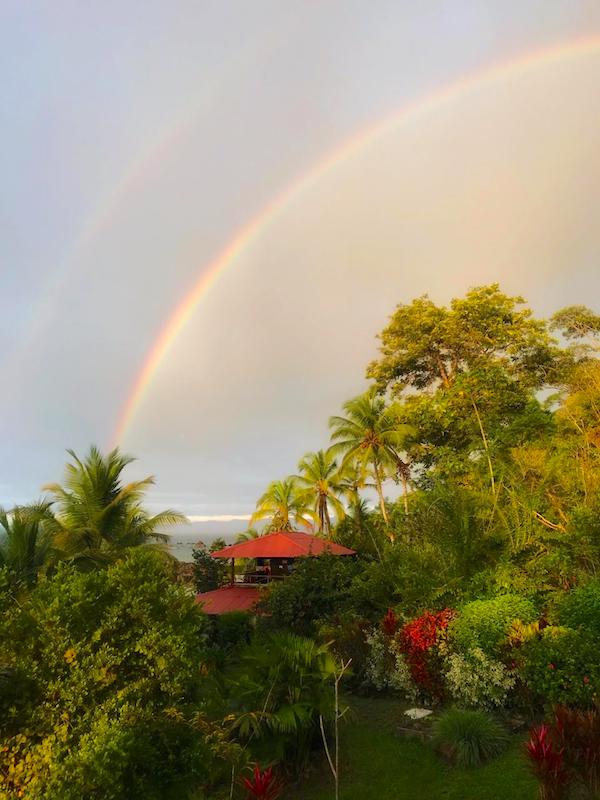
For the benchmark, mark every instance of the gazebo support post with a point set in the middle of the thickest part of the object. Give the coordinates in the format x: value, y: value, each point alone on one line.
x: 232, y: 571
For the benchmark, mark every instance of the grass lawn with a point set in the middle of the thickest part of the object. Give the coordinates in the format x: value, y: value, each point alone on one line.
x: 377, y: 761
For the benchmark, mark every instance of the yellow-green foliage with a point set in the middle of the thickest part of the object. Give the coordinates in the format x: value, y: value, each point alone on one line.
x: 106, y: 657
x: 487, y: 623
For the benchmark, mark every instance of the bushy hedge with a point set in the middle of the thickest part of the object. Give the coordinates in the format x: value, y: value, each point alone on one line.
x: 319, y: 589
x: 562, y: 666
x: 580, y: 608
x: 485, y: 624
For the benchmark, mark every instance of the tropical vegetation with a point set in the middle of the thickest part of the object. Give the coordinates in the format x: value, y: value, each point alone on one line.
x: 466, y: 478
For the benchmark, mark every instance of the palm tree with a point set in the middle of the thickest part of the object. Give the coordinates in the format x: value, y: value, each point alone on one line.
x: 320, y: 485
x: 26, y: 542
x: 284, y: 505
x: 247, y: 536
x: 353, y: 478
x: 98, y: 515
x: 283, y: 686
x: 371, y: 435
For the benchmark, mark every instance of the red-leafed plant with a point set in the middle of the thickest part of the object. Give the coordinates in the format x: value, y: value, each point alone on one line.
x: 263, y: 785
x: 548, y: 762
x: 578, y: 734
x: 389, y: 623
x: 417, y: 639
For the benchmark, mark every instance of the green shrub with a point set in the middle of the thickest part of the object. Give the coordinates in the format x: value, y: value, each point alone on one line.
x: 562, y: 666
x: 278, y: 689
x: 317, y: 590
x: 476, y: 681
x: 469, y: 738
x: 209, y: 572
x: 580, y: 608
x: 485, y: 623
x: 232, y: 630
x: 107, y: 667
x: 347, y: 638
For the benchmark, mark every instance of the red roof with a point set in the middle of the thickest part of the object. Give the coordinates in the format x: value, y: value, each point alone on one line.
x: 283, y: 544
x: 229, y: 598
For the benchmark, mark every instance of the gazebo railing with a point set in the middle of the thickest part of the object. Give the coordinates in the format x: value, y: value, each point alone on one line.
x: 258, y: 578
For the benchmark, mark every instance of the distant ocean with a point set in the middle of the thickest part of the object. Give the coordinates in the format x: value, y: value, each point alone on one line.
x: 182, y: 546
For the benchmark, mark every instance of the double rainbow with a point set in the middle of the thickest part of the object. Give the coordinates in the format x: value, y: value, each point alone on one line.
x: 252, y: 230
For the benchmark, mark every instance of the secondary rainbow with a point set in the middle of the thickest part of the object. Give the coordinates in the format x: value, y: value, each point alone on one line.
x: 248, y: 233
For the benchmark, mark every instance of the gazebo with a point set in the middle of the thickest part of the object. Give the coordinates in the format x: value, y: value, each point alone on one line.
x: 274, y: 555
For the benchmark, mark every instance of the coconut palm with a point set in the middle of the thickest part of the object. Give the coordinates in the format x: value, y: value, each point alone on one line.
x: 247, y: 536
x: 26, y: 542
x: 371, y: 435
x: 98, y: 515
x: 285, y: 506
x: 353, y: 478
x: 320, y: 484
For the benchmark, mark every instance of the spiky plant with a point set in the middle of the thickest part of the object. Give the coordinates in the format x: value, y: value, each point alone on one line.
x: 469, y: 738
x: 263, y: 785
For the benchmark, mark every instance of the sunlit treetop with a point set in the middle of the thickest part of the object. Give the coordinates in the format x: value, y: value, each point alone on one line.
x: 425, y: 346
x: 576, y: 322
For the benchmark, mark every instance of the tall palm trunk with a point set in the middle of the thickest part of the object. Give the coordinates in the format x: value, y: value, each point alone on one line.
x: 379, y: 487
x: 405, y: 493
x: 486, y: 446
x: 324, y: 520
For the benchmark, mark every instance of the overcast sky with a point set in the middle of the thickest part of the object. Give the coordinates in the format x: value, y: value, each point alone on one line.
x: 139, y: 137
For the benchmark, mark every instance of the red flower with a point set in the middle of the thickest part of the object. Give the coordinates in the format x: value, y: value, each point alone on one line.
x: 551, y: 666
x: 586, y: 679
x: 416, y: 640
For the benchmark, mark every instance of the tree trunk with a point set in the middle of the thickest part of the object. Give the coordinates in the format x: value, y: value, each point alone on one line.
x: 379, y: 487
x: 485, y: 446
x: 405, y: 493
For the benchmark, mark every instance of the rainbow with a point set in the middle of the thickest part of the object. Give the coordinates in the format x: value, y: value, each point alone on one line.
x: 151, y: 155
x: 245, y: 236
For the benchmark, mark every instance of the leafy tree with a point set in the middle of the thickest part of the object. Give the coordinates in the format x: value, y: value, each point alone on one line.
x: 209, y: 573
x: 576, y: 322
x: 468, y: 374
x: 370, y: 435
x: 426, y: 346
x: 320, y: 484
x: 284, y: 506
x: 458, y: 521
x: 114, y: 659
x: 97, y: 515
x: 318, y: 588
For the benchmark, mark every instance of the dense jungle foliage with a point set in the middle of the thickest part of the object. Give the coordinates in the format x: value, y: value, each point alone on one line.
x: 466, y: 477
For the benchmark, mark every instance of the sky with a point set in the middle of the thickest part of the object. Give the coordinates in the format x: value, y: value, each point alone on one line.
x: 305, y: 167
